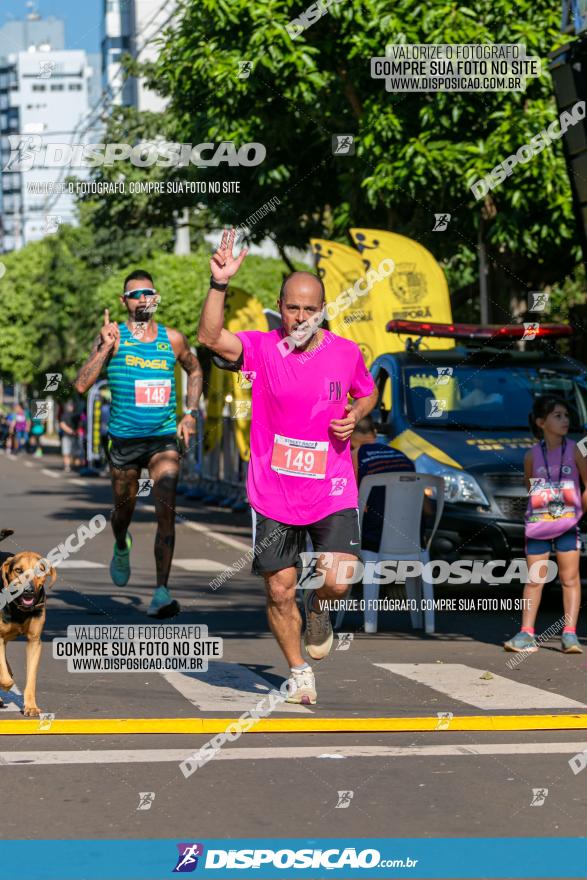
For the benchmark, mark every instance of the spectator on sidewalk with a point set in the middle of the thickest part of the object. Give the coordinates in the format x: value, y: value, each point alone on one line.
x: 69, y: 426
x: 104, y: 420
x: 37, y: 431
x: 18, y: 430
x: 80, y: 460
x: 4, y: 430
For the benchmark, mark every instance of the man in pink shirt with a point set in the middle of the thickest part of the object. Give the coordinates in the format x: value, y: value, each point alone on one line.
x: 301, y: 477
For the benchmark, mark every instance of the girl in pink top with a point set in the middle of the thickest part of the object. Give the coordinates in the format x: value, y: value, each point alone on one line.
x: 553, y: 470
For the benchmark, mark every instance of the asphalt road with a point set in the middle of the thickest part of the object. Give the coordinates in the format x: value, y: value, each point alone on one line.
x: 424, y: 784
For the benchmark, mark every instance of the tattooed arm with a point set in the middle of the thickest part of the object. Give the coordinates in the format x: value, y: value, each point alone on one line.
x: 104, y: 346
x: 191, y: 365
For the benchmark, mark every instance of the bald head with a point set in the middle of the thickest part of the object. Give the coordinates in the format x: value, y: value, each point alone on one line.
x: 301, y: 305
x: 304, y: 284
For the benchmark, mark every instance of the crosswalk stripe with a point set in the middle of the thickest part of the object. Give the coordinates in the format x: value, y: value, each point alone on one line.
x: 223, y: 539
x: 225, y: 687
x: 465, y: 684
x: 285, y: 753
x: 80, y: 563
x: 208, y: 532
x: 203, y: 565
x: 48, y: 473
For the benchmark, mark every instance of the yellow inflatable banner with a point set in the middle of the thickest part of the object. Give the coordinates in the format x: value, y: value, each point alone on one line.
x: 416, y: 290
x: 218, y: 387
x: 243, y: 312
x: 364, y: 320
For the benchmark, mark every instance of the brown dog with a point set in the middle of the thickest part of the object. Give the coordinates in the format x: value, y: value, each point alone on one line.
x: 24, y: 615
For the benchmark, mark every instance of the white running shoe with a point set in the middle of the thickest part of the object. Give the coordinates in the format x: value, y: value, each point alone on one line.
x: 162, y: 605
x: 318, y: 636
x: 301, y: 688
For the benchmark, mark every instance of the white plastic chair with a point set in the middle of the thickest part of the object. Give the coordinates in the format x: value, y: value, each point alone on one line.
x: 400, y: 538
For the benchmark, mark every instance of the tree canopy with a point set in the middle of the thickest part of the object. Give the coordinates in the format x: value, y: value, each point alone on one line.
x: 55, y: 292
x: 416, y: 153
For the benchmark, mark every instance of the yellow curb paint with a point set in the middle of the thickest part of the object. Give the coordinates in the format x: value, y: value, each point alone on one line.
x: 127, y: 726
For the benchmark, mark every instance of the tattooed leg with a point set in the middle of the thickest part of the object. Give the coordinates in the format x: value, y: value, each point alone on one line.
x: 124, y: 489
x: 164, y: 471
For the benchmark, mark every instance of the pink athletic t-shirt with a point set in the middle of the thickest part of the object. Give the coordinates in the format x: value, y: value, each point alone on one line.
x: 299, y: 472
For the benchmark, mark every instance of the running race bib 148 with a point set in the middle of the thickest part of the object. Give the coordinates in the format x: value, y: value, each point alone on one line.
x: 152, y: 392
x: 299, y: 458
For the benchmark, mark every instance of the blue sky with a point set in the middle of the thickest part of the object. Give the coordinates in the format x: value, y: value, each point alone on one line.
x: 82, y: 19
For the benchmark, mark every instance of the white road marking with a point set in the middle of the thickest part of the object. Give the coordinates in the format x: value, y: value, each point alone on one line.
x: 11, y: 706
x: 48, y: 473
x: 205, y: 530
x: 464, y: 683
x: 225, y: 687
x: 79, y: 482
x: 223, y: 539
x: 80, y: 563
x: 203, y: 565
x: 28, y: 464
x: 285, y: 753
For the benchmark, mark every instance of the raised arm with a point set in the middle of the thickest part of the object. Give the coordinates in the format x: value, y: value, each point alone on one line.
x: 104, y: 346
x: 211, y: 331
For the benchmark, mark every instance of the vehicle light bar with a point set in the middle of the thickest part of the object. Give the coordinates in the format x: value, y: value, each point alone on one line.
x: 480, y: 331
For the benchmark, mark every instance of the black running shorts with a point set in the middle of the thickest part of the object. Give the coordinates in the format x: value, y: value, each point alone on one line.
x: 125, y: 453
x: 278, y: 546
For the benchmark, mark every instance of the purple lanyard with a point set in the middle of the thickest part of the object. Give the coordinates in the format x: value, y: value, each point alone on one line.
x: 563, y: 448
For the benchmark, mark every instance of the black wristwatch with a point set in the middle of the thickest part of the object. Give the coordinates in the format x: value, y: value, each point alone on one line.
x: 215, y: 285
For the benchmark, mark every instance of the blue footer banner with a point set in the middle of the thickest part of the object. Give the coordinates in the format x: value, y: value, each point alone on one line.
x: 288, y: 857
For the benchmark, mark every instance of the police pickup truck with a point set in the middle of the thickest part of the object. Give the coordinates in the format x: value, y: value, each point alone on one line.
x: 462, y: 413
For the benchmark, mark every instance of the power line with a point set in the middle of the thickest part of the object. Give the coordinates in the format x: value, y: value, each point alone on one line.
x: 22, y: 134
x: 105, y: 95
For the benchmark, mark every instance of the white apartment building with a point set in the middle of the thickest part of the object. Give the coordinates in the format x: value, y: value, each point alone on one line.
x: 43, y: 101
x: 132, y: 26
x: 116, y: 39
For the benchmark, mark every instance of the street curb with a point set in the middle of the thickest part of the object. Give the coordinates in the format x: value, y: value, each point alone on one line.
x: 433, y: 724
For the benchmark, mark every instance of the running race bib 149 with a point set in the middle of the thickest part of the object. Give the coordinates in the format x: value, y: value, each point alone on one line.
x: 152, y: 392
x: 299, y: 458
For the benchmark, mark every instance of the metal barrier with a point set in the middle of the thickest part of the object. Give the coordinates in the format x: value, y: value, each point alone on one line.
x: 217, y: 477
x: 93, y: 407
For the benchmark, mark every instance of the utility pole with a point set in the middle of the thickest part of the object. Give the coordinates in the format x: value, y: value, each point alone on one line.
x: 483, y: 275
x: 182, y: 233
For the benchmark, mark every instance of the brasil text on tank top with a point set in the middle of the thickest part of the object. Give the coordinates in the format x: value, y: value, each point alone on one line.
x: 142, y: 383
